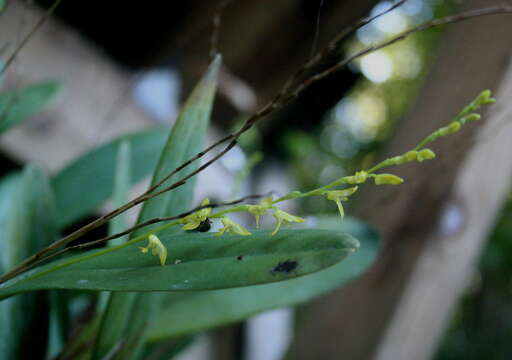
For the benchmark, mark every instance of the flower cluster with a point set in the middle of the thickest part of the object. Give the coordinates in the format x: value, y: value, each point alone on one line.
x: 332, y: 192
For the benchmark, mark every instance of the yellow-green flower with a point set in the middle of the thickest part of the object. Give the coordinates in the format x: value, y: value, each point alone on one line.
x: 261, y: 209
x: 193, y: 221
x: 340, y: 195
x: 232, y: 227
x: 282, y: 216
x: 156, y: 247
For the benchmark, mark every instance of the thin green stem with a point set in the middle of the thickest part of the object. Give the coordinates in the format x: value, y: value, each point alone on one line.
x: 239, y: 208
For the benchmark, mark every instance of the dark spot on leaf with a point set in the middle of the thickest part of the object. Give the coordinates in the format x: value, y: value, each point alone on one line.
x: 239, y: 257
x: 285, y: 267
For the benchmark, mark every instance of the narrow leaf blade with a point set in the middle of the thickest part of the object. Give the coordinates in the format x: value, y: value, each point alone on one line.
x: 27, y: 224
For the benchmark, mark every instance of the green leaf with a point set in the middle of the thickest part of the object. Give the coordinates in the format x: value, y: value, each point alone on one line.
x: 187, y: 313
x: 27, y: 224
x: 206, y: 262
x: 18, y: 105
x: 58, y: 330
x: 166, y: 350
x: 121, y: 192
x: 88, y: 182
x: 185, y: 140
x: 113, y: 320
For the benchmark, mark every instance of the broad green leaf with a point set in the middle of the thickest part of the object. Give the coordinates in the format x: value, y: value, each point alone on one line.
x: 185, y: 140
x: 88, y: 182
x: 27, y: 224
x: 18, y: 105
x: 188, y: 313
x: 206, y: 262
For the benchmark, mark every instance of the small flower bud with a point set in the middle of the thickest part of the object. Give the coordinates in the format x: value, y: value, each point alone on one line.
x: 358, y: 178
x: 450, y: 129
x: 426, y: 154
x: 484, y: 98
x: 388, y: 179
x: 409, y: 156
x: 469, y: 118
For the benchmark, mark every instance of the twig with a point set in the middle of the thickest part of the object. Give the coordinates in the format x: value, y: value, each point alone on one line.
x: 47, y: 255
x: 317, y: 28
x: 214, y: 40
x: 283, y: 98
x: 333, y: 44
x: 31, y: 33
x: 285, y: 95
x: 425, y: 26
